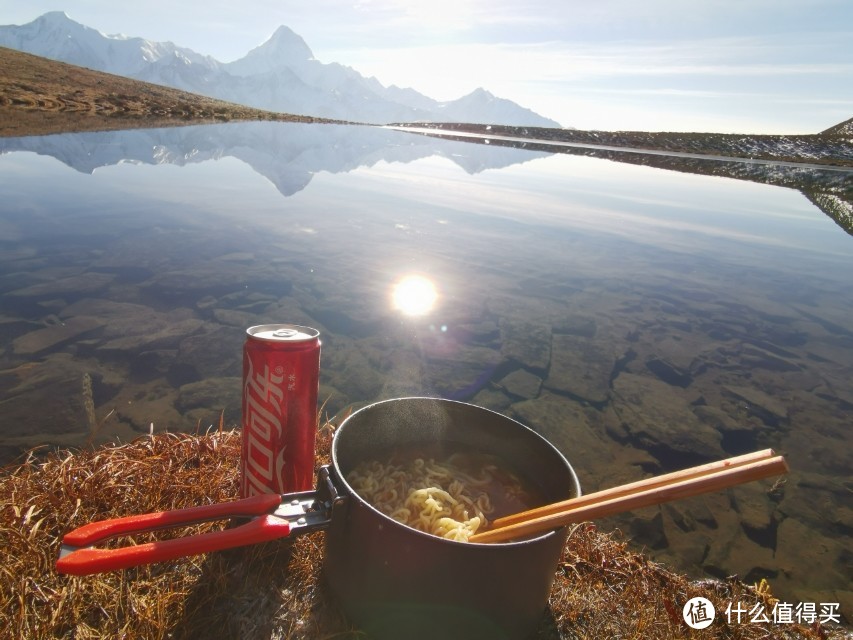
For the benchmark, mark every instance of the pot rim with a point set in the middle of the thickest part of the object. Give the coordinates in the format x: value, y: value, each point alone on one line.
x: 438, y: 539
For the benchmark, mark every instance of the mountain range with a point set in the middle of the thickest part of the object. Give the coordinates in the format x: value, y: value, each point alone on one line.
x: 281, y: 74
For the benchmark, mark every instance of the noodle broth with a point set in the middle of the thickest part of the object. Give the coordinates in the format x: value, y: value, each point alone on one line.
x: 451, y: 492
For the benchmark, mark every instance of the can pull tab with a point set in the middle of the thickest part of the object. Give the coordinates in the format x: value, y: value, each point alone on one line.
x: 284, y: 333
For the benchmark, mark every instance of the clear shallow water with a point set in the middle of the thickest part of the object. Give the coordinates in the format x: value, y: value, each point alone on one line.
x: 643, y: 320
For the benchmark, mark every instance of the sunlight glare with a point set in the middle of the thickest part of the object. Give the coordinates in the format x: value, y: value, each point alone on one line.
x: 414, y: 295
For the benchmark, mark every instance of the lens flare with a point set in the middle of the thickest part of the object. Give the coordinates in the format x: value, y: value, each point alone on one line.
x: 414, y: 296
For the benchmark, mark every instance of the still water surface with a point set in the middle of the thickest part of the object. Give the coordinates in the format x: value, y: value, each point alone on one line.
x: 643, y: 320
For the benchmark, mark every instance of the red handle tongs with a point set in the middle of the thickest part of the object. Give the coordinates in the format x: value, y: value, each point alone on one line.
x: 272, y: 516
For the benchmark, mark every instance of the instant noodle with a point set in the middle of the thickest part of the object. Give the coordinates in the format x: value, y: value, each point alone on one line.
x: 451, y: 497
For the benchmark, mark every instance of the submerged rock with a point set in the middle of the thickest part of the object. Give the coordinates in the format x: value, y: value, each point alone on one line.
x: 733, y: 553
x: 668, y: 372
x: 690, y: 515
x: 234, y: 318
x: 841, y: 396
x: 168, y: 337
x: 757, y: 514
x: 647, y: 529
x: 212, y: 393
x: 58, y: 387
x: 582, y: 326
x: 55, y: 335
x: 758, y: 403
x: 214, y: 353
x: 658, y: 418
x: 753, y: 356
x: 461, y: 372
x: 492, y: 399
x: 527, y: 343
x: 521, y: 383
x: 76, y: 285
x: 356, y: 368
x: 811, y: 555
x: 565, y: 425
x: 581, y: 368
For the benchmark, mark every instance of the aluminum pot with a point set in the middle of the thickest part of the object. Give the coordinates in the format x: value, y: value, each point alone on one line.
x: 397, y: 582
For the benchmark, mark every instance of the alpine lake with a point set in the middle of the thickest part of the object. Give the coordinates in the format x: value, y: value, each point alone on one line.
x: 643, y: 319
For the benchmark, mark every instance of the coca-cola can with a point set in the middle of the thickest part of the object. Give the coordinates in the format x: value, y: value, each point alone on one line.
x: 281, y: 376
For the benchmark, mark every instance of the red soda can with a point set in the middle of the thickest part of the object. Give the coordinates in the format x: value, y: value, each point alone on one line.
x: 281, y: 376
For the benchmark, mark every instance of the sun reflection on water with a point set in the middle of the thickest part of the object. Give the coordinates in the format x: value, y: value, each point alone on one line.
x: 414, y: 295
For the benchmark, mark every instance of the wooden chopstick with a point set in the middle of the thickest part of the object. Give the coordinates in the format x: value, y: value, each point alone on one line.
x: 673, y: 486
x: 633, y: 487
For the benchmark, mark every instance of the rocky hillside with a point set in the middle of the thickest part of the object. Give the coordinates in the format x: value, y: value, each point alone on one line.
x: 842, y: 129
x: 831, y: 147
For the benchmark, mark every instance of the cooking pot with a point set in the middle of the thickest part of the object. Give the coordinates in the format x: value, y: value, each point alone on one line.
x: 397, y: 582
x: 392, y: 580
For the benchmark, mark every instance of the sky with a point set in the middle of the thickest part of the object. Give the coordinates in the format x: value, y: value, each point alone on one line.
x: 730, y: 66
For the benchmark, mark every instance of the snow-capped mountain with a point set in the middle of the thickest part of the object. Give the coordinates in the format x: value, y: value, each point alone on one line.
x: 284, y: 48
x: 279, y: 75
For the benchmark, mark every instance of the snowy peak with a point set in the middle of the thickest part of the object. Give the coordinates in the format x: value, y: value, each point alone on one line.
x: 57, y: 20
x: 56, y: 36
x: 283, y: 49
x: 52, y: 18
x: 489, y: 109
x: 479, y: 94
x: 287, y: 46
x: 477, y: 98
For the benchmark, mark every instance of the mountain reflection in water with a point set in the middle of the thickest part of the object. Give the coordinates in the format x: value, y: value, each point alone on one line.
x: 643, y: 320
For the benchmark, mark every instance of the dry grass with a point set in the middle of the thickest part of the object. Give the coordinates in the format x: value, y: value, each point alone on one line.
x: 275, y: 590
x: 41, y: 500
x: 604, y: 590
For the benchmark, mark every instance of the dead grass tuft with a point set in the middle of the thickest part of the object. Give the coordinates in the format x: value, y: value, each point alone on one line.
x: 274, y: 590
x: 42, y: 499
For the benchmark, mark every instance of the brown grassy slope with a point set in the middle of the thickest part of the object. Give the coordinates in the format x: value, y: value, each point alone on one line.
x: 40, y: 96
